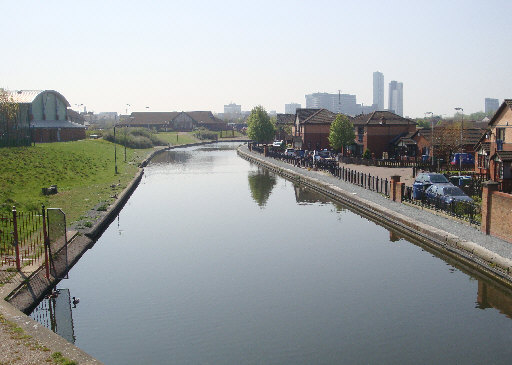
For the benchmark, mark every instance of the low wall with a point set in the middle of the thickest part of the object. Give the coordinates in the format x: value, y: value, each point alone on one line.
x: 498, y: 214
x: 466, y: 252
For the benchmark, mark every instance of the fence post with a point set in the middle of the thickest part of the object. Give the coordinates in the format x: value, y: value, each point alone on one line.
x: 46, y: 244
x: 488, y: 188
x: 395, y: 180
x: 15, y: 237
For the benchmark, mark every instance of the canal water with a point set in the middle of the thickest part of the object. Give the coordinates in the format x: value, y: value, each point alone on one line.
x: 214, y: 260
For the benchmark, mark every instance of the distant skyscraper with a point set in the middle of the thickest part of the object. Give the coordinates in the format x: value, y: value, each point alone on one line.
x: 291, y: 108
x: 491, y: 105
x: 396, y: 98
x: 378, y: 90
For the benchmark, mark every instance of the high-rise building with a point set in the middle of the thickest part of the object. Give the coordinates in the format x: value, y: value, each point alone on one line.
x: 291, y: 108
x: 491, y: 105
x: 396, y: 98
x: 378, y: 90
x: 336, y: 103
x: 232, y: 109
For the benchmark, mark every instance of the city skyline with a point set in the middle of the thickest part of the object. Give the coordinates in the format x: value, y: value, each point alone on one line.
x: 106, y: 55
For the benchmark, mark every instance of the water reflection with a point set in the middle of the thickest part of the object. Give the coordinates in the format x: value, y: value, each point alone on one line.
x: 55, y: 313
x: 170, y: 157
x: 304, y: 195
x: 261, y: 183
x: 491, y: 296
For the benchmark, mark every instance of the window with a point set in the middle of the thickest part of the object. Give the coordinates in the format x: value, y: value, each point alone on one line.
x: 500, y: 138
x: 360, y: 133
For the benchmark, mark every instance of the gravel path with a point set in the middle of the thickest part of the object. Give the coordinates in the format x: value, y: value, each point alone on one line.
x: 460, y: 229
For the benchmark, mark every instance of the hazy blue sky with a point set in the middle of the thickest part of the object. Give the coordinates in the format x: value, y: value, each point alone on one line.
x: 200, y: 55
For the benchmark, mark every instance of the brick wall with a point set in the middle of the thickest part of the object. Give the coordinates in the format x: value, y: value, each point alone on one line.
x: 496, y: 212
x: 66, y: 134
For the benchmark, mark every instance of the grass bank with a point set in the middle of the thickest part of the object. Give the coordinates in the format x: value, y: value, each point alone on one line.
x: 83, y: 171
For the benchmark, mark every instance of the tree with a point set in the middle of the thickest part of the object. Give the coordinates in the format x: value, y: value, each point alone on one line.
x: 9, y: 128
x: 341, y: 132
x: 259, y: 126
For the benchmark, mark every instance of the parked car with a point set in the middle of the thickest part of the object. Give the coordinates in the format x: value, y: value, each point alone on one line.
x: 321, y: 155
x: 277, y: 143
x: 289, y: 152
x: 446, y: 194
x: 300, y: 153
x: 465, y: 158
x: 429, y: 178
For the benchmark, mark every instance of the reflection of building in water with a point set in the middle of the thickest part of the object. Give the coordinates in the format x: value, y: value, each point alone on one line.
x: 55, y: 314
x: 490, y: 296
x: 394, y: 237
x: 261, y: 184
x: 172, y: 157
x: 305, y: 195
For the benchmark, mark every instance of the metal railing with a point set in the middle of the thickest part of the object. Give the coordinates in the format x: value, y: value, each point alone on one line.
x: 468, y: 211
x: 366, y: 181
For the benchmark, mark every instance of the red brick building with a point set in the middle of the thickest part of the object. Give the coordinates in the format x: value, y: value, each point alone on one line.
x: 379, y: 131
x: 311, y: 129
x: 493, y: 153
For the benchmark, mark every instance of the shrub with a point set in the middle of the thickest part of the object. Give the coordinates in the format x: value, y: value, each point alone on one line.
x: 133, y: 137
x: 367, y: 154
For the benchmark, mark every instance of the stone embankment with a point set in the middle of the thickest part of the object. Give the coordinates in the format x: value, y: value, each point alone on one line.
x: 489, y: 255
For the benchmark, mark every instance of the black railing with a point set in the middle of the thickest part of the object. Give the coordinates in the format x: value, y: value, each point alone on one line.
x: 366, y: 181
x: 467, y: 211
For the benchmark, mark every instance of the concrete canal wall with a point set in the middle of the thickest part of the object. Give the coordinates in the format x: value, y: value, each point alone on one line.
x: 31, y: 285
x: 470, y: 253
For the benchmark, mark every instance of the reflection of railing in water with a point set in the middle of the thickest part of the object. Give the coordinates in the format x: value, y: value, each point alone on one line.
x: 56, y: 314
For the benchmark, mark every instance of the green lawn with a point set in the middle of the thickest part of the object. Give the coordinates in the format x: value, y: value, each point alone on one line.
x: 82, y: 170
x: 182, y: 138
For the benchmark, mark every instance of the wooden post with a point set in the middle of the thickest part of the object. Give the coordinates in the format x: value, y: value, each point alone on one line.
x: 394, y: 193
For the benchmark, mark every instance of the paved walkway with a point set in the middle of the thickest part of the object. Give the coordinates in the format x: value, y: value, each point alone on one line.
x: 426, y: 216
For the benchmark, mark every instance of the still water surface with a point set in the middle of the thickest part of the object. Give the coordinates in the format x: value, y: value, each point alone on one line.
x: 214, y: 260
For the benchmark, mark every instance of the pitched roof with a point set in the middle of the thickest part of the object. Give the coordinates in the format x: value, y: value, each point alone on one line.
x: 151, y: 117
x: 506, y: 103
x: 285, y: 119
x: 381, y: 117
x: 315, y: 116
x: 504, y: 155
x: 204, y: 117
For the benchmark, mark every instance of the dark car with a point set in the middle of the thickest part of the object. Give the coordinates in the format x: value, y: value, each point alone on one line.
x: 446, y: 193
x: 429, y: 178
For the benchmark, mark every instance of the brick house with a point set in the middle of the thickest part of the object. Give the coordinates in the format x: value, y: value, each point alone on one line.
x: 493, y: 153
x: 379, y: 132
x: 312, y: 127
x: 178, y: 121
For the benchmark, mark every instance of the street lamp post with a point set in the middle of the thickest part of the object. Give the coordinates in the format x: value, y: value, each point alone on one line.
x: 126, y: 110
x: 432, y: 134
x: 115, y: 148
x: 461, y: 136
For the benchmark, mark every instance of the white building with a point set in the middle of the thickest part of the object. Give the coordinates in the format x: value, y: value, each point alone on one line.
x: 378, y: 90
x: 232, y: 109
x: 396, y: 98
x: 491, y: 105
x: 291, y: 108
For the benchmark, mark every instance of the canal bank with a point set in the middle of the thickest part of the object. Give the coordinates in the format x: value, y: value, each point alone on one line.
x: 489, y: 255
x: 27, y: 288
